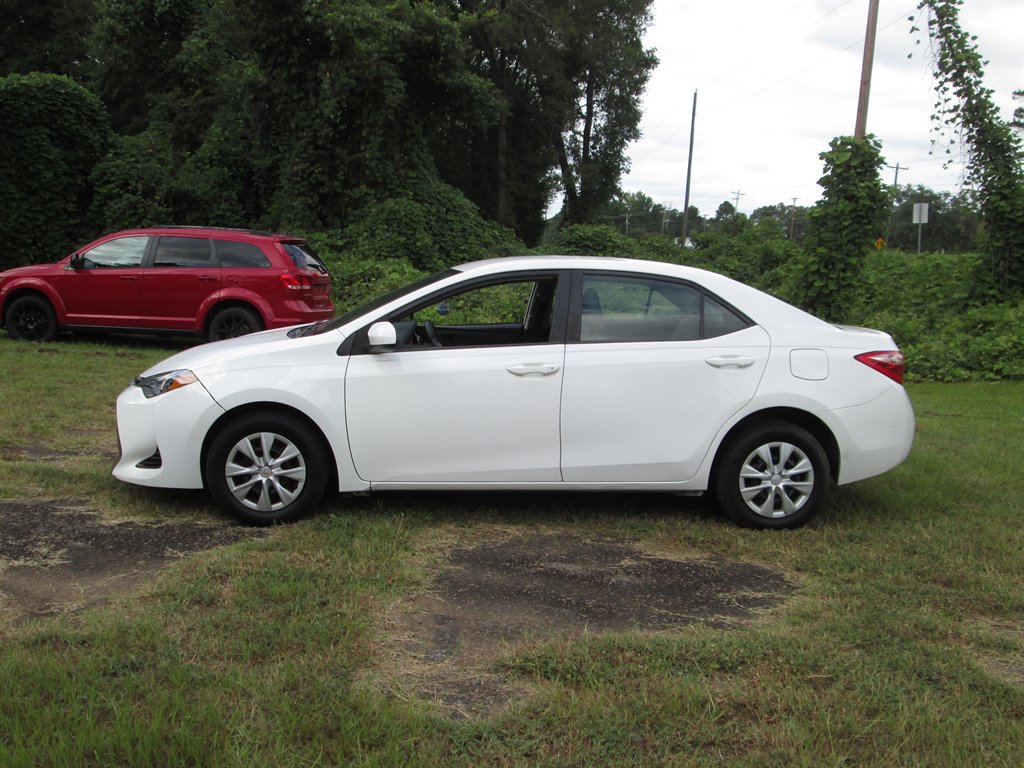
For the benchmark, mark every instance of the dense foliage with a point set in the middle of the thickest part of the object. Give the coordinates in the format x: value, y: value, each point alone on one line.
x: 995, y: 162
x: 52, y: 133
x: 403, y: 137
x: 843, y: 224
x: 300, y: 116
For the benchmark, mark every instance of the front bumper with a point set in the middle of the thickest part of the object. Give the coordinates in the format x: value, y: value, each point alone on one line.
x: 173, y: 425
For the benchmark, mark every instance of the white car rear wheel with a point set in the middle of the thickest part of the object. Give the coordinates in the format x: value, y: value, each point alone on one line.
x: 775, y: 476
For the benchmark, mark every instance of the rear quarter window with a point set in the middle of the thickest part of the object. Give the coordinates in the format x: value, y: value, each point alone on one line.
x: 234, y: 255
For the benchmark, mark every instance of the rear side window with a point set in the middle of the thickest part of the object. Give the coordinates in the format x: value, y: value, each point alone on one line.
x: 621, y: 308
x: 638, y: 309
x: 182, y: 252
x: 304, y: 257
x: 119, y: 253
x: 234, y: 255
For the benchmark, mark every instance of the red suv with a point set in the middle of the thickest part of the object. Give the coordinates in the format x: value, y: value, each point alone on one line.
x: 217, y: 283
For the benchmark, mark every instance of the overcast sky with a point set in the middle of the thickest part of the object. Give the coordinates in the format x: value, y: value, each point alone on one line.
x: 778, y: 79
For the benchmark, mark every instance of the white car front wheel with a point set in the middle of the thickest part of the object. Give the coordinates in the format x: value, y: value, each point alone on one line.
x: 266, y: 468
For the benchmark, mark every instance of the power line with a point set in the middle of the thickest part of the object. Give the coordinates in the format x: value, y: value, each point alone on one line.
x: 897, y: 168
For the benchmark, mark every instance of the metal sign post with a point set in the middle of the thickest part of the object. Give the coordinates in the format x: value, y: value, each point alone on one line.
x: 920, y: 218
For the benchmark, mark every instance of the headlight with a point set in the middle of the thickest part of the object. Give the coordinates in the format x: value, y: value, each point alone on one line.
x: 161, y: 383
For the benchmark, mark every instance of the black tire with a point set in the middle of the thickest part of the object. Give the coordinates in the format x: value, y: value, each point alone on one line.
x: 774, y: 476
x: 259, y: 492
x: 31, y: 318
x: 232, y: 322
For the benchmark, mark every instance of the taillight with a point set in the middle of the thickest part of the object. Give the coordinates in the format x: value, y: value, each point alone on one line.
x: 889, y: 363
x: 295, y: 282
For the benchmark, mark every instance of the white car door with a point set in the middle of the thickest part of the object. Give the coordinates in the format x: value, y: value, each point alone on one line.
x: 658, y: 368
x: 470, y: 395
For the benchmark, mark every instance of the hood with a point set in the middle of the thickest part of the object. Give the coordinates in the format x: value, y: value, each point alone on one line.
x: 33, y: 270
x: 260, y: 347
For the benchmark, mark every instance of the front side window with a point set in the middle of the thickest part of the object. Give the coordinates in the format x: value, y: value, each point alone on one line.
x: 620, y: 308
x: 182, y: 252
x: 120, y: 253
x: 509, y: 312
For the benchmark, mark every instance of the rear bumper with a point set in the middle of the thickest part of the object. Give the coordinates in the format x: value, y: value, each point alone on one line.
x: 299, y: 313
x: 879, y: 435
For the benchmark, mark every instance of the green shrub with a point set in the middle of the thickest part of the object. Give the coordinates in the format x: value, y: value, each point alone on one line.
x: 592, y: 240
x: 131, y: 184
x: 431, y: 227
x: 936, y: 307
x: 52, y: 133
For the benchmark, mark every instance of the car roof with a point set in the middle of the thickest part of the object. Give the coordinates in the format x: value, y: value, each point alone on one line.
x: 201, y: 231
x: 755, y: 303
x: 712, y: 280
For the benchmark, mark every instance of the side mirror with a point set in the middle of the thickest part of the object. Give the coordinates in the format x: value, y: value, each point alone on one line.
x: 382, y: 337
x: 77, y: 262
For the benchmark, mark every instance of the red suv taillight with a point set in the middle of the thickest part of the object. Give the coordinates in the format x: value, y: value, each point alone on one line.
x: 888, y: 363
x: 296, y: 282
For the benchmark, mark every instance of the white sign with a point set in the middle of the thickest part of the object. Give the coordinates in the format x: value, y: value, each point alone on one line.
x: 920, y: 213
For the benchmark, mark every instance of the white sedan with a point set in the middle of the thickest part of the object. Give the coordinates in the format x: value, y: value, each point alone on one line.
x: 533, y: 373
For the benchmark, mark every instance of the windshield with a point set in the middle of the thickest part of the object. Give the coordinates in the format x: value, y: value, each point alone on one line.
x: 330, y: 325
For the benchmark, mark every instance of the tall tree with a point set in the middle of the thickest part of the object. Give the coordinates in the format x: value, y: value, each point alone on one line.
x: 285, y: 114
x: 844, y: 223
x: 570, y: 74
x: 608, y: 68
x: 44, y: 36
x: 995, y: 163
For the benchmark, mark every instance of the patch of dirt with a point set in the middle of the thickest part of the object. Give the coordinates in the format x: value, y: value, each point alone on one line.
x: 545, y: 586
x: 1007, y: 665
x: 59, y: 556
x: 12, y: 452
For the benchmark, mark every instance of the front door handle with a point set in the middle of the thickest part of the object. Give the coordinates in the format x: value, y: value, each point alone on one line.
x: 535, y: 369
x: 730, y: 361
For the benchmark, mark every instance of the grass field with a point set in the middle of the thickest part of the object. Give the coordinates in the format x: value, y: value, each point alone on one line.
x: 902, y: 644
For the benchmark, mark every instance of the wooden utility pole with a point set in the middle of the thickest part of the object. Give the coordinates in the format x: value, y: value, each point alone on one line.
x: 897, y: 168
x: 689, y: 169
x: 865, y: 71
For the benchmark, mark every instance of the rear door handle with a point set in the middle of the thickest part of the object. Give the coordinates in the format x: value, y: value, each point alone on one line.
x: 535, y: 369
x: 207, y: 278
x: 130, y: 278
x: 730, y: 361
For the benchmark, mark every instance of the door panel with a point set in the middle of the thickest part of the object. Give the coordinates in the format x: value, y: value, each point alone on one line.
x: 648, y: 411
x: 456, y: 415
x: 177, y: 282
x: 105, y: 291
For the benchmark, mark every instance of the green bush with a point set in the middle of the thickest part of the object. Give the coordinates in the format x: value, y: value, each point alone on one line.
x: 592, y: 240
x: 936, y: 307
x: 52, y: 133
x: 432, y: 226
x: 131, y: 184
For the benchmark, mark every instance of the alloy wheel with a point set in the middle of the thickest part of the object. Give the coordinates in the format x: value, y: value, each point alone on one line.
x: 776, y: 479
x: 265, y: 471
